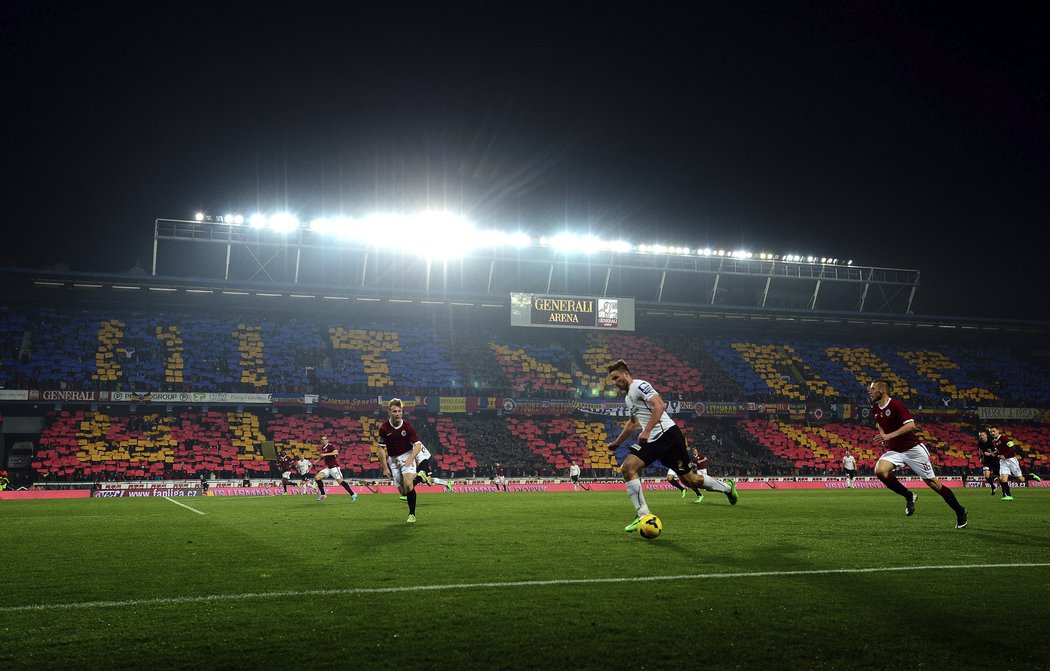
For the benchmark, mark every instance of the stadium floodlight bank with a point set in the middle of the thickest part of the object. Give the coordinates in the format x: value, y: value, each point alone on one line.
x: 505, y: 263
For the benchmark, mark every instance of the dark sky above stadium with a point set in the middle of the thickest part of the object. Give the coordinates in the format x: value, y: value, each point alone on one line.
x: 910, y: 135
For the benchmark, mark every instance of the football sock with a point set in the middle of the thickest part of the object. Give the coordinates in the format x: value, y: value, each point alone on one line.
x: 412, y: 502
x: 634, y: 490
x: 894, y: 485
x: 714, y: 485
x: 320, y: 486
x: 417, y: 481
x: 949, y: 497
x: 284, y: 483
x: 1005, y: 487
x: 346, y: 487
x: 677, y: 485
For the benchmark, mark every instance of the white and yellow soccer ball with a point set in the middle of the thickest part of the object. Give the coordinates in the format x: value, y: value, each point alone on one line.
x: 650, y: 526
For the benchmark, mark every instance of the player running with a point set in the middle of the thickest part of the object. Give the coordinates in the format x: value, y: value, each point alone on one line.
x: 849, y: 467
x: 398, y: 448
x: 700, y: 466
x: 989, y: 459
x: 423, y: 470
x: 330, y: 454
x: 896, y: 432
x: 660, y: 438
x: 1008, y: 462
x: 303, y: 466
x: 286, y: 465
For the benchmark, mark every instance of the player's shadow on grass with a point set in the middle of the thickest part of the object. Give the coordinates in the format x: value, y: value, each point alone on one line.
x: 1009, y: 537
x: 395, y: 533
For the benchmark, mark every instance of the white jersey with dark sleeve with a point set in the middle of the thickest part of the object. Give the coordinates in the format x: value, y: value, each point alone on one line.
x: 639, y: 404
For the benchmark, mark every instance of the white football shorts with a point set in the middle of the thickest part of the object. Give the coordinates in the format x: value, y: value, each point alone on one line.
x: 917, y: 459
x: 1010, y: 467
x: 332, y: 472
x: 399, y: 469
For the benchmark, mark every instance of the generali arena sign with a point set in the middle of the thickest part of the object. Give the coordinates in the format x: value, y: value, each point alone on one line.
x: 581, y: 312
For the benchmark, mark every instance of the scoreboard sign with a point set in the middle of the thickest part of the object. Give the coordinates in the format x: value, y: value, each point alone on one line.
x: 580, y: 312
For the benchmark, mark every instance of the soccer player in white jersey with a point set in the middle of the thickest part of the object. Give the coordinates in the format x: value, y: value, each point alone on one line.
x: 574, y: 477
x: 660, y: 438
x: 303, y: 466
x: 423, y: 470
x: 849, y: 465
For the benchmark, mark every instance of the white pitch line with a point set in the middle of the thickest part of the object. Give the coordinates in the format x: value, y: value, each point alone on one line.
x: 178, y: 600
x: 183, y: 505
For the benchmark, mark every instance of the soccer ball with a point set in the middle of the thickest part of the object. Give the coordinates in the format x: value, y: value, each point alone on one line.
x: 650, y: 526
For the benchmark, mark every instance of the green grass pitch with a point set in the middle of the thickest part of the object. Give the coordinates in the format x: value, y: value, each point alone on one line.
x: 785, y: 579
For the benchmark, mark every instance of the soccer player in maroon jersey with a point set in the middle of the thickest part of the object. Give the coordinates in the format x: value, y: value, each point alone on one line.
x: 1008, y: 462
x: 501, y: 477
x: 286, y: 464
x: 398, y: 447
x: 903, y: 448
x: 330, y: 454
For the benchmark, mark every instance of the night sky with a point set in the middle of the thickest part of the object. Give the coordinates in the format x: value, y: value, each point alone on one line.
x: 910, y: 135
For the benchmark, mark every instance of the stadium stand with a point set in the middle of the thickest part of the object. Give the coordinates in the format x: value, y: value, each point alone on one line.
x: 105, y: 350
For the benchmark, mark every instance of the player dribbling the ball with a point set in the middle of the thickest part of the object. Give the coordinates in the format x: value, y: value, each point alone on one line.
x: 660, y: 438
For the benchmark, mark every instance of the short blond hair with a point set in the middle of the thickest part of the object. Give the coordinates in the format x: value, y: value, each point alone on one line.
x: 395, y: 401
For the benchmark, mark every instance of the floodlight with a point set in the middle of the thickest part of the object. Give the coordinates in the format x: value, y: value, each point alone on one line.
x: 589, y: 244
x: 199, y: 216
x: 257, y: 220
x: 238, y: 219
x: 565, y: 242
x: 493, y: 238
x: 283, y: 222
